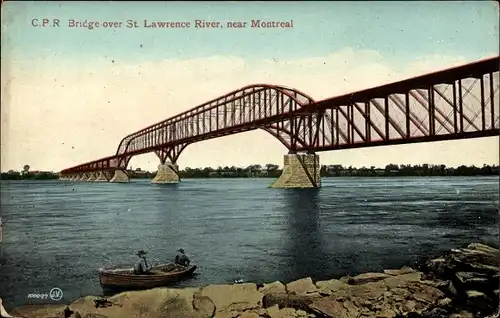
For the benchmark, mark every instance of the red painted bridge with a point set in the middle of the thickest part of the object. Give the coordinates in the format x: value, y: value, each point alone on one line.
x: 457, y: 103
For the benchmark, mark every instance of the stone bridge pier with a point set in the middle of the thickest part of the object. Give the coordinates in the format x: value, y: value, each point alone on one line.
x: 119, y: 176
x: 167, y: 173
x: 106, y: 175
x: 299, y: 171
x: 98, y: 176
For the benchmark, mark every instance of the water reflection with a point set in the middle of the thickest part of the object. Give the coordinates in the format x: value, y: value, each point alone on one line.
x: 305, y: 245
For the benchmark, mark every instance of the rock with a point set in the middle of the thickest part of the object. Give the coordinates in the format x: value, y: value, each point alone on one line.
x: 484, y: 248
x: 203, y: 305
x: 367, y: 278
x: 94, y: 315
x: 387, y: 313
x: 288, y: 312
x: 476, y: 281
x: 66, y: 313
x: 239, y: 297
x: 175, y: 307
x: 476, y: 260
x: 445, y: 302
x: 361, y: 302
x: 301, y: 301
x: 400, y: 294
x: 436, y: 313
x: 409, y: 306
x: 450, y: 289
x: 478, y: 300
x: 274, y: 287
x: 483, y: 268
x: 401, y: 280
x: 275, y: 312
x: 427, y: 294
x: 331, y: 307
x: 45, y: 311
x: 439, y: 260
x: 436, y: 283
x: 328, y: 286
x: 249, y: 315
x: 479, y: 256
x: 387, y: 294
x: 301, y: 286
x: 367, y: 291
x: 262, y: 312
x: 345, y: 279
x: 462, y: 314
x: 401, y: 271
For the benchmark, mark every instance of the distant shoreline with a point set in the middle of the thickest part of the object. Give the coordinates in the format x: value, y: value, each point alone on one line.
x: 273, y: 171
x: 270, y: 177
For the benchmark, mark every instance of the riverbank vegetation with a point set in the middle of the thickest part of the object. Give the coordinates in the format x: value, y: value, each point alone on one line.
x: 38, y: 175
x: 274, y: 171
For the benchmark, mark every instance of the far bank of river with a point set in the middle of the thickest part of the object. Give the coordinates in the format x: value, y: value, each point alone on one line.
x: 273, y: 171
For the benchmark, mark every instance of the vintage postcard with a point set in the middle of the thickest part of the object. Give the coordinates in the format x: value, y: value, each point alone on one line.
x: 249, y: 159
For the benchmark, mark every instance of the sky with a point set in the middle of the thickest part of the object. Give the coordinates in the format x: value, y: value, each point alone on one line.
x: 70, y: 94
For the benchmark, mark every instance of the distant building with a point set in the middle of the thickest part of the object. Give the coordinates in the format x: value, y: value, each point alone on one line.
x: 37, y: 172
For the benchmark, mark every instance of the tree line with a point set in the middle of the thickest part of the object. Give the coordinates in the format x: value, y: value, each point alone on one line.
x: 273, y: 171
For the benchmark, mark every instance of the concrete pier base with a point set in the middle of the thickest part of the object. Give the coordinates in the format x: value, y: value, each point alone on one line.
x: 167, y: 173
x: 92, y: 177
x: 83, y: 177
x: 119, y: 176
x: 101, y: 177
x: 299, y: 171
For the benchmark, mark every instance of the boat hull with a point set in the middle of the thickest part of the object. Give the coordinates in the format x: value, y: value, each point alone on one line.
x: 161, y: 275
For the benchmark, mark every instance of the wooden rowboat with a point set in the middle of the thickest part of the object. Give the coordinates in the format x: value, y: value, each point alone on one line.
x: 160, y: 275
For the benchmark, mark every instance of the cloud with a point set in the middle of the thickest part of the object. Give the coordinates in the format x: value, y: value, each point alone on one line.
x: 56, y: 116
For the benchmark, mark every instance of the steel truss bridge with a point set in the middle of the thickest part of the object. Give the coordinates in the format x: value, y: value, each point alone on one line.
x: 456, y: 103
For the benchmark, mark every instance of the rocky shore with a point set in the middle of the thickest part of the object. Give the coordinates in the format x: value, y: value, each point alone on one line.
x: 462, y: 283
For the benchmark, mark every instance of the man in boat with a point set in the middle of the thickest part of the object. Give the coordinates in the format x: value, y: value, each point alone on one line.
x: 181, y: 258
x: 141, y: 266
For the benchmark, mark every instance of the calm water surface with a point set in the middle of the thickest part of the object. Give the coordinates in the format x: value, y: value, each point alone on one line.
x: 58, y: 233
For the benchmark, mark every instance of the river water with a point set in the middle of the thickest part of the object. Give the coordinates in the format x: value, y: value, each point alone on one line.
x: 58, y: 233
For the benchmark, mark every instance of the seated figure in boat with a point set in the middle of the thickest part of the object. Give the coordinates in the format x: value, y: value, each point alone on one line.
x: 141, y: 266
x: 181, y: 258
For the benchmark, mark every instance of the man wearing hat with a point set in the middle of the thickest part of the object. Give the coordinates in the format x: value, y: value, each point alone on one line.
x: 181, y: 258
x: 141, y: 267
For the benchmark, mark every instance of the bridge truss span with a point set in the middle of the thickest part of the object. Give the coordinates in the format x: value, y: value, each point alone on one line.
x: 453, y: 104
x: 256, y: 106
x: 461, y: 102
